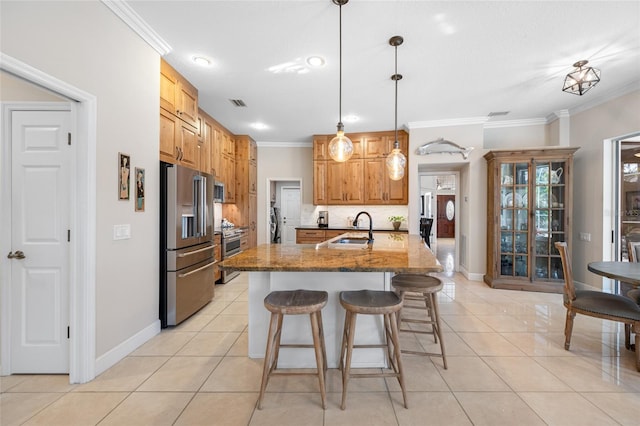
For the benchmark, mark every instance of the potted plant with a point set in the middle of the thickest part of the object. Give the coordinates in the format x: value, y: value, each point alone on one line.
x: 397, y: 221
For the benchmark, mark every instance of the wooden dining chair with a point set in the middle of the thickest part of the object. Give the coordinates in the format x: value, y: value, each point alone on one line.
x: 596, y: 304
x: 633, y: 249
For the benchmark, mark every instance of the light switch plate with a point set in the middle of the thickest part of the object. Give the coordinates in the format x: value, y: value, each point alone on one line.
x: 121, y: 232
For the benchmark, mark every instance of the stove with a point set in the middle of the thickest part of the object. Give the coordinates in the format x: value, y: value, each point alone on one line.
x: 230, y: 247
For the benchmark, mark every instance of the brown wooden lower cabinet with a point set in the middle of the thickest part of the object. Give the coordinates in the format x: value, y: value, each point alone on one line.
x: 310, y: 236
x: 315, y: 236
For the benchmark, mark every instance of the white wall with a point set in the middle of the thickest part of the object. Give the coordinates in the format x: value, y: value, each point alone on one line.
x: 15, y: 89
x: 472, y: 188
x: 282, y: 163
x: 87, y: 46
x: 510, y: 137
x: 589, y: 129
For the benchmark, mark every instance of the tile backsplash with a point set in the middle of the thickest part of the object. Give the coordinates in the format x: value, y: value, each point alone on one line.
x: 338, y: 215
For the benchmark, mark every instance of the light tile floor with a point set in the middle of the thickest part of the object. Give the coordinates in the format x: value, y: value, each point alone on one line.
x: 505, y: 353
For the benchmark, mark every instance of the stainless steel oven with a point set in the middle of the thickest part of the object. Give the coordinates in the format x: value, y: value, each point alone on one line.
x: 230, y: 247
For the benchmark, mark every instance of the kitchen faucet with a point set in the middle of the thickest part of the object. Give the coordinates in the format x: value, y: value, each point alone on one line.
x: 355, y: 223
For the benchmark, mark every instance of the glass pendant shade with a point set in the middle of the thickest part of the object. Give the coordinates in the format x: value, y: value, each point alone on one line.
x: 581, y: 79
x: 396, y: 163
x: 340, y: 147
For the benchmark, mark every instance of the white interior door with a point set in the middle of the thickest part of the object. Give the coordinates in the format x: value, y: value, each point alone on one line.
x: 290, y: 205
x: 40, y: 218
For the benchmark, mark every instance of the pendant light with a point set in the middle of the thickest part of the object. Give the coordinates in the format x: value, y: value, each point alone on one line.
x: 581, y: 79
x: 396, y: 161
x: 340, y: 147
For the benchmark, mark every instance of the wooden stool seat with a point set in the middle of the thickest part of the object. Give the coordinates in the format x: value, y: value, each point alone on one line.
x: 295, y: 302
x: 371, y: 302
x: 423, y: 289
x: 417, y: 283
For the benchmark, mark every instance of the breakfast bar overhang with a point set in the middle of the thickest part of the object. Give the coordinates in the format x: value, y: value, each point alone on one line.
x: 331, y: 267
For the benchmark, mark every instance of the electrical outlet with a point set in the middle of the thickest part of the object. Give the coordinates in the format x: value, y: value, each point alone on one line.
x: 585, y: 236
x: 121, y: 232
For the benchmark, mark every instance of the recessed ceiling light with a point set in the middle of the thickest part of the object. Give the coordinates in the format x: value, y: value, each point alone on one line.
x: 315, y: 61
x: 351, y: 118
x: 201, y: 60
x: 259, y: 126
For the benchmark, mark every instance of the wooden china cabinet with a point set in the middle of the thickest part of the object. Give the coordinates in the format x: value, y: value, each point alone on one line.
x: 529, y: 203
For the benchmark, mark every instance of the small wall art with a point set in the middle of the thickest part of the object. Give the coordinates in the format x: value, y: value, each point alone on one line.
x: 124, y: 162
x: 139, y: 189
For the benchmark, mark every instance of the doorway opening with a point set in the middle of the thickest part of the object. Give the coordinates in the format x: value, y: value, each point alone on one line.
x: 284, y: 207
x: 439, y: 204
x: 82, y: 279
x: 626, y: 190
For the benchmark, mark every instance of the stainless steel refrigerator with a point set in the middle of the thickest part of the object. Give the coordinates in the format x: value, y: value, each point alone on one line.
x: 187, y: 262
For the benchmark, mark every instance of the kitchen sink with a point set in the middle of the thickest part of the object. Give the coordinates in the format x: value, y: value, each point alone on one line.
x: 352, y: 241
x: 346, y: 241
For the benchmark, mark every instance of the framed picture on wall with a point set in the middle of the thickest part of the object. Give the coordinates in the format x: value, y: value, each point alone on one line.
x: 139, y: 189
x: 124, y: 164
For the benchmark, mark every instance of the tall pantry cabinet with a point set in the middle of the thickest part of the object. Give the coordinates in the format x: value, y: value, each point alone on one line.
x: 246, y: 200
x: 529, y: 207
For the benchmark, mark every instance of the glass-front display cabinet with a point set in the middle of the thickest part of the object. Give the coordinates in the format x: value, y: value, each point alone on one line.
x: 528, y: 209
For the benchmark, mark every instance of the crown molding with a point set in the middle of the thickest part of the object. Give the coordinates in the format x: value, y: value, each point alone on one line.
x: 267, y: 144
x: 515, y: 123
x: 446, y: 123
x: 553, y: 116
x: 613, y: 94
x: 129, y: 16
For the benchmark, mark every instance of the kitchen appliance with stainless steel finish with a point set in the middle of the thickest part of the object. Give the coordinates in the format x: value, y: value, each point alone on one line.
x: 187, y: 262
x: 230, y: 247
x: 323, y: 219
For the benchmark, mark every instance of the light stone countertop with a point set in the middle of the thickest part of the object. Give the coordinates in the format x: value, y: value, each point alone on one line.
x: 390, y: 252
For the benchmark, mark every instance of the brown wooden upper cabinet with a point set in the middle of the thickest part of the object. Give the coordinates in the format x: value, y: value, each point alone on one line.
x: 179, y: 130
x: 177, y: 95
x: 205, y: 142
x: 178, y: 141
x: 363, y: 179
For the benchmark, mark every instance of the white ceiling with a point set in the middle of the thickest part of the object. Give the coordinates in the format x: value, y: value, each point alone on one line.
x: 460, y: 60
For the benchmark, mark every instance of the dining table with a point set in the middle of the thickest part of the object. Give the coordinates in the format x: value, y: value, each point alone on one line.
x: 627, y: 272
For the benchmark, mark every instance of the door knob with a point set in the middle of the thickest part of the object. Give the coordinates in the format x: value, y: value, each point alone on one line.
x: 17, y: 255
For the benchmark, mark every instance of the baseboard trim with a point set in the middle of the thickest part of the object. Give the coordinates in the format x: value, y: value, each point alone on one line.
x: 471, y: 276
x: 116, y: 354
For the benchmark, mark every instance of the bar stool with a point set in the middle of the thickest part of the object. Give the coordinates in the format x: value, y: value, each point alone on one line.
x: 422, y: 288
x: 371, y: 302
x: 295, y: 302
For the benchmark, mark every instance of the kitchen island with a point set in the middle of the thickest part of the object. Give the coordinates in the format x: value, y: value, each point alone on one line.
x: 332, y: 268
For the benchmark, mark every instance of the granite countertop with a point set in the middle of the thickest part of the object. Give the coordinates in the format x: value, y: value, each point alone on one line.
x: 350, y: 228
x: 390, y: 252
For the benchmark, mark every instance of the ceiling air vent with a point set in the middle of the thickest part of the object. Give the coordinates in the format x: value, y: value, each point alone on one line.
x: 238, y: 102
x: 498, y: 113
